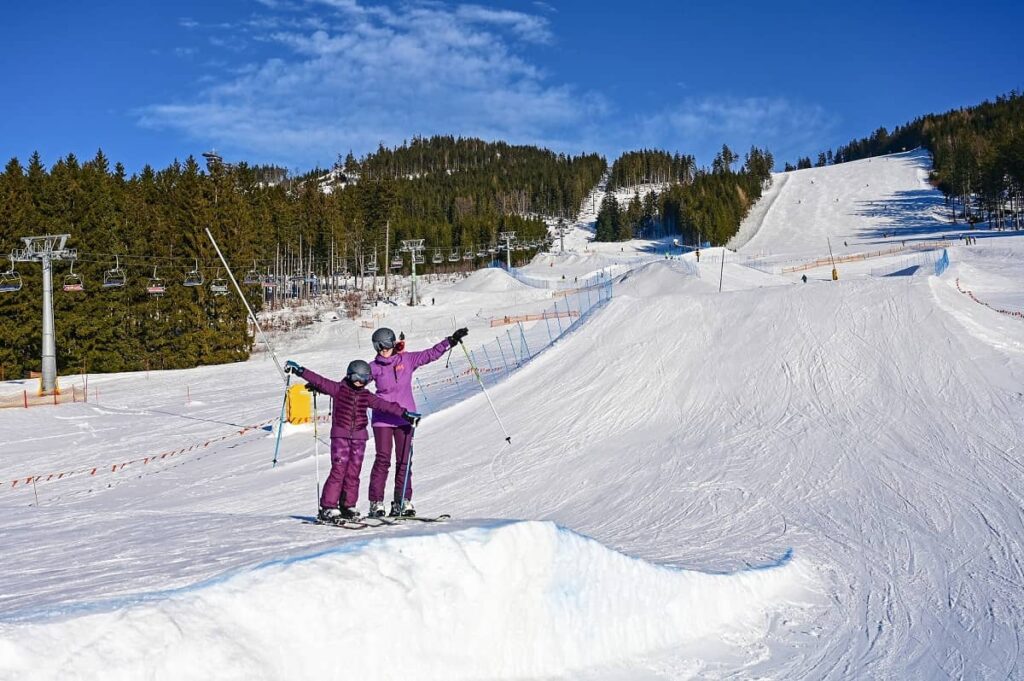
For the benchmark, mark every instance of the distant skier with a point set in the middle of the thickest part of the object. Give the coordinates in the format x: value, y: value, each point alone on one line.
x: 392, y: 370
x: 348, y: 434
x: 804, y: 278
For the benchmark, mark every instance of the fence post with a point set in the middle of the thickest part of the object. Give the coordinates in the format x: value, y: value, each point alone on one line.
x: 487, y: 356
x: 547, y: 323
x: 522, y: 334
x: 519, y: 359
x: 502, y: 351
x: 454, y: 375
x: 559, y: 319
x: 24, y: 396
x: 424, y: 393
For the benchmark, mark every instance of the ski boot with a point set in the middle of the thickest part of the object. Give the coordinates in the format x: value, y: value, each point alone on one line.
x: 376, y: 509
x: 349, y: 513
x: 329, y: 515
x: 397, y: 509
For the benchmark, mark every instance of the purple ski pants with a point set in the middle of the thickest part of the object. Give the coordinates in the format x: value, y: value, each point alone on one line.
x: 401, y: 438
x: 343, y: 481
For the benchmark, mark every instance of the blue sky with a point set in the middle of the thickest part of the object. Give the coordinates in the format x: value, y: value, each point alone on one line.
x: 296, y: 82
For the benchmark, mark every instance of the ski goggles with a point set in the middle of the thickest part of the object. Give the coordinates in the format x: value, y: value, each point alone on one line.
x: 361, y: 378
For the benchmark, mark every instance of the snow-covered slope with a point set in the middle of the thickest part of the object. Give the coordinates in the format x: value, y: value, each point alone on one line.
x: 777, y: 481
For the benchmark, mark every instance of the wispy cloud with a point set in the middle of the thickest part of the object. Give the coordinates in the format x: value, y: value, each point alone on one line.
x: 342, y: 75
x: 701, y: 125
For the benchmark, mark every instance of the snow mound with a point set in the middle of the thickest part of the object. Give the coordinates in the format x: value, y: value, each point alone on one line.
x: 560, y: 602
x: 490, y: 280
x: 661, y: 278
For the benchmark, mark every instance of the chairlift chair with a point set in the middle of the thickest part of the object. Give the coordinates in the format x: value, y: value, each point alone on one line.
x: 155, y: 286
x: 10, y: 281
x: 114, y: 278
x: 454, y: 255
x: 195, y: 277
x: 417, y: 257
x: 219, y: 286
x: 467, y: 255
x: 73, y: 282
x: 396, y: 261
x: 252, y: 277
x: 438, y: 258
x: 493, y: 250
x: 371, y: 266
x: 482, y: 253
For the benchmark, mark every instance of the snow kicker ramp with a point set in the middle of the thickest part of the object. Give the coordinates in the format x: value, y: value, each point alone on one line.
x: 509, y: 600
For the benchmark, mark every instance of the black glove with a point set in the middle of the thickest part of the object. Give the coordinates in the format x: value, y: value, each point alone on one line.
x: 457, y: 337
x: 310, y: 388
x: 412, y: 417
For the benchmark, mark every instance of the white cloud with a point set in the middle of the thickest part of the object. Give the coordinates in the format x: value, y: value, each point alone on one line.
x: 342, y: 75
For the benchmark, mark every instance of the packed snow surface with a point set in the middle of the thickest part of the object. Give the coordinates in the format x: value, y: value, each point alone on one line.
x: 778, y: 480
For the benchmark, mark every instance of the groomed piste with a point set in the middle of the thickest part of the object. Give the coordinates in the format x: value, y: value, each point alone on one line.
x: 779, y: 480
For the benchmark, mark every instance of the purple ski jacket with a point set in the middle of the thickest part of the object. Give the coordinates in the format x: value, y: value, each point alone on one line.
x: 350, y: 405
x: 392, y: 377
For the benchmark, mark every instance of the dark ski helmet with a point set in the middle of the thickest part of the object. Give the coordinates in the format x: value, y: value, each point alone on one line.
x: 383, y: 339
x: 358, y: 370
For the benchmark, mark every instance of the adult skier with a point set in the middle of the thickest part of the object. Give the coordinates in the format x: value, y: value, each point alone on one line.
x: 392, y: 370
x: 348, y: 433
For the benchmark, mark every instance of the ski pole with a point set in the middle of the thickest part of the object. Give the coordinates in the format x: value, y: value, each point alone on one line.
x: 316, y: 451
x: 280, y: 421
x: 476, y: 372
x: 408, y: 463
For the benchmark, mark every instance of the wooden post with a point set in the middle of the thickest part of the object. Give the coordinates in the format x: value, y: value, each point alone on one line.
x: 24, y: 396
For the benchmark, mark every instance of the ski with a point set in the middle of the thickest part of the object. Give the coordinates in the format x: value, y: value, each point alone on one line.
x: 342, y: 524
x: 398, y: 520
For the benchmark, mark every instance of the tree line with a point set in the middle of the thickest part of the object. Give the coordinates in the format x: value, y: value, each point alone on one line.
x: 701, y: 204
x: 457, y: 194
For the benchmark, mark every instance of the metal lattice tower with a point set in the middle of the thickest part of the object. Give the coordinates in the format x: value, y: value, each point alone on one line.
x: 44, y: 250
x: 413, y: 246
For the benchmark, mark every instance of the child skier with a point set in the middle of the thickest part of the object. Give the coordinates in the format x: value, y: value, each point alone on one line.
x: 348, y: 434
x: 392, y: 374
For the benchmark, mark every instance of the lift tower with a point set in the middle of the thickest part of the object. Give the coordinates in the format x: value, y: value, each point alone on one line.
x: 44, y: 250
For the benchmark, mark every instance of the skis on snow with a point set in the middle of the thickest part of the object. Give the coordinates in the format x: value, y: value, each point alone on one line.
x: 368, y: 522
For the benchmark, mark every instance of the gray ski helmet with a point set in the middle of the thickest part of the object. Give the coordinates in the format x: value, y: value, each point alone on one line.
x: 383, y: 339
x: 358, y: 370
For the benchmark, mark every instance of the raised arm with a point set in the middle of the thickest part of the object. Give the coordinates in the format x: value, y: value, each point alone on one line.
x: 323, y: 385
x: 421, y: 357
x: 380, y: 404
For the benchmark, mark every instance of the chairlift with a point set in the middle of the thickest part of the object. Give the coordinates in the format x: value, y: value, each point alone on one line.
x: 114, y: 278
x: 482, y: 253
x: 417, y: 257
x: 195, y: 277
x: 396, y: 261
x: 252, y: 277
x: 371, y: 266
x: 10, y: 281
x: 219, y: 286
x: 438, y: 258
x: 467, y: 254
x: 493, y: 250
x: 156, y: 286
x: 73, y: 282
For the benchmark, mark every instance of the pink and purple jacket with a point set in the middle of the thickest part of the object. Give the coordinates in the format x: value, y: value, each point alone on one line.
x: 392, y: 377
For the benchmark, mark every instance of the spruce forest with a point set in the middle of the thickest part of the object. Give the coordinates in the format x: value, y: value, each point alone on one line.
x: 456, y: 194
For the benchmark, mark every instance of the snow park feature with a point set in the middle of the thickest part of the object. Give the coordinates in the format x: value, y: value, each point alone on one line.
x: 715, y: 470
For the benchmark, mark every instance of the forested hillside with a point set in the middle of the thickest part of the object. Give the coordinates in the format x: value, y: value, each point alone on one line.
x: 457, y: 194
x: 699, y: 204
